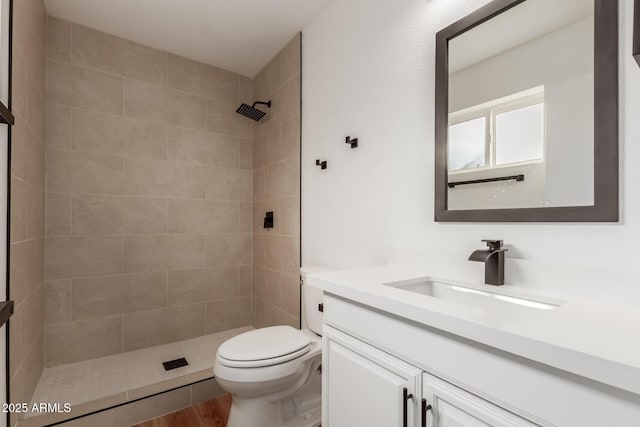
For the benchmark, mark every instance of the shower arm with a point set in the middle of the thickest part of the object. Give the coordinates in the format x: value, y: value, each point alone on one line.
x: 268, y: 104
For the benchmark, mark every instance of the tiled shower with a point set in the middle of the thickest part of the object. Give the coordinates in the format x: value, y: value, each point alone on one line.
x: 142, y: 195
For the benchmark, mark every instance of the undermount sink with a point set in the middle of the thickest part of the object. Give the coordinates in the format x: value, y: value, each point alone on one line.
x: 474, y: 295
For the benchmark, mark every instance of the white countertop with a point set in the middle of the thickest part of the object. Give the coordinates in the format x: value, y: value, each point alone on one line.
x: 591, y: 339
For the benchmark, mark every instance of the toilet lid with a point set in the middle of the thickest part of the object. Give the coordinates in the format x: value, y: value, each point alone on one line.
x: 264, y: 347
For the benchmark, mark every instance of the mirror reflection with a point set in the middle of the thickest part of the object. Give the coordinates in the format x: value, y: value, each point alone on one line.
x: 521, y: 109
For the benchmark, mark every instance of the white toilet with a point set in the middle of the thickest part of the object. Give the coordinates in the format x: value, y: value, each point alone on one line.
x: 274, y: 373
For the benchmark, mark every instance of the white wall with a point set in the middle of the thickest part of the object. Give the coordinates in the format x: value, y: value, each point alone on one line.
x: 368, y: 71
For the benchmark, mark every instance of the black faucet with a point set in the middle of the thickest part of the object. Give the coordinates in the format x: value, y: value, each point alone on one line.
x: 493, y: 259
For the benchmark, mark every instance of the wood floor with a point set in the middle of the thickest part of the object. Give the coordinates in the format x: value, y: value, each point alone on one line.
x: 213, y: 413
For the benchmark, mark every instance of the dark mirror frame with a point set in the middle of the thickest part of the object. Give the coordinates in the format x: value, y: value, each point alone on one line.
x: 606, y: 133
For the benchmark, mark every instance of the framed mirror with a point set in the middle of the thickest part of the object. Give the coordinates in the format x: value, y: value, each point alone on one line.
x: 527, y: 113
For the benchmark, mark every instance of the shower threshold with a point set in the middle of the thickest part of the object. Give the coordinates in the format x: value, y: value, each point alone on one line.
x: 98, y: 384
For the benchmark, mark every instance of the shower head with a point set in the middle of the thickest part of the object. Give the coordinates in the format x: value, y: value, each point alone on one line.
x: 251, y: 111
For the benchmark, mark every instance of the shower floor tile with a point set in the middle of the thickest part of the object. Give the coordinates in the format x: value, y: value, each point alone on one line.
x: 96, y: 384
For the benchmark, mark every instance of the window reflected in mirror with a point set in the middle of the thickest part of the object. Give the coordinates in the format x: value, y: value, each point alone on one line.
x: 521, y: 105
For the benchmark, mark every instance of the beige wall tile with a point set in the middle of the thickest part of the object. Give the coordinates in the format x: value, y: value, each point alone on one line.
x: 97, y: 214
x: 58, y: 39
x: 266, y: 148
x: 264, y: 314
x: 245, y: 90
x: 222, y: 118
x: 269, y: 315
x: 27, y: 160
x: 282, y: 179
x: 83, y: 88
x: 57, y: 307
x: 28, y: 205
x: 27, y: 268
x: 259, y: 249
x: 245, y: 217
x: 245, y: 155
x: 18, y: 141
x: 245, y: 280
x: 290, y: 59
x: 80, y: 340
x: 286, y: 102
x: 267, y: 124
x: 111, y: 54
x: 202, y: 79
x: 202, y: 217
x: 290, y: 212
x: 193, y: 286
x: 18, y: 209
x: 161, y: 326
x: 290, y: 294
x: 110, y: 134
x: 229, y: 249
x: 267, y: 286
x: 69, y: 171
x: 25, y: 379
x: 146, y: 101
x: 144, y: 215
x: 267, y: 81
x: 26, y: 327
x: 34, y: 212
x: 205, y: 148
x: 146, y: 253
x: 162, y: 253
x: 229, y: 184
x: 109, y: 295
x: 164, y: 179
x: 36, y: 108
x: 285, y: 318
x: 58, y: 126
x: 228, y: 314
x: 258, y: 184
x: 77, y: 256
x: 19, y: 82
x: 290, y: 138
x: 58, y: 214
x: 29, y: 32
x: 282, y: 253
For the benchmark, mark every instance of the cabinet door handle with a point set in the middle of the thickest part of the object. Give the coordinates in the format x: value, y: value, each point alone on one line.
x: 425, y: 408
x: 405, y: 397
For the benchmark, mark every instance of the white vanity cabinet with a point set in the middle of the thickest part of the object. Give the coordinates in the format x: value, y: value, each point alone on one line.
x: 371, y: 356
x: 363, y: 386
x: 453, y: 407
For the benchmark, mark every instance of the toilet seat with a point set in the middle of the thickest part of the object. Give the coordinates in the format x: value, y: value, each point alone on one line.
x: 263, y: 347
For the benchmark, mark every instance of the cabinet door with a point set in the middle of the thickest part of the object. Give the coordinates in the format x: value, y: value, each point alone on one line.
x: 364, y: 386
x: 453, y: 407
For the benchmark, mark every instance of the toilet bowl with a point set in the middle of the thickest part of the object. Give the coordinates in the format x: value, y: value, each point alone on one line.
x: 274, y: 373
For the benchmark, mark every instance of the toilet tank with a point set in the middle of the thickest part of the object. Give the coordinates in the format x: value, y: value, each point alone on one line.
x: 311, y: 299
